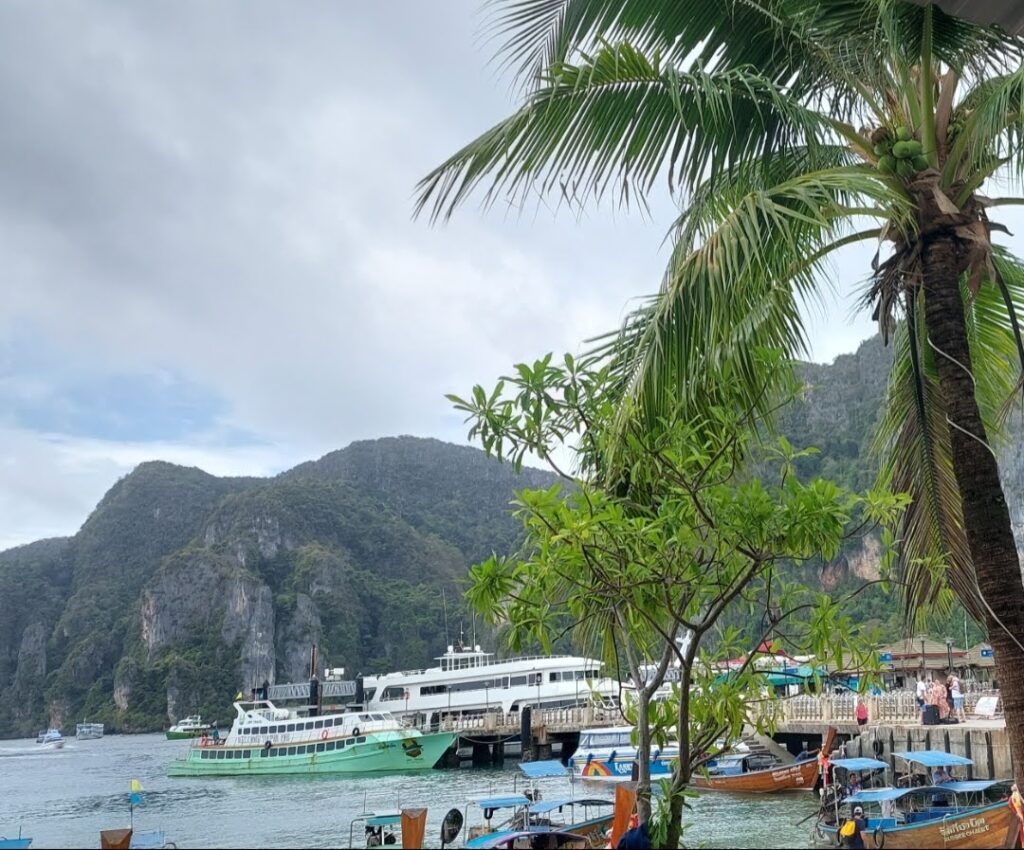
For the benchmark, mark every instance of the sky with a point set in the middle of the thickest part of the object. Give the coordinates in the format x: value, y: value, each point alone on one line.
x: 208, y: 252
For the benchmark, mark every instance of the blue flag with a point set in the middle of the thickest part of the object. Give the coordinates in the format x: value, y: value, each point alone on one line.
x: 135, y: 797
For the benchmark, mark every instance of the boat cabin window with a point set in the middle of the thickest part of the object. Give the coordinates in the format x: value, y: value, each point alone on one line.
x: 430, y: 690
x: 595, y: 740
x: 378, y: 717
x: 319, y: 724
x: 364, y: 717
x: 393, y: 692
x: 264, y: 730
x: 291, y: 727
x: 309, y: 725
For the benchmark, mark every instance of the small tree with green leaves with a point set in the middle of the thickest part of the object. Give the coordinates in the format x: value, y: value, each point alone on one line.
x: 644, y: 548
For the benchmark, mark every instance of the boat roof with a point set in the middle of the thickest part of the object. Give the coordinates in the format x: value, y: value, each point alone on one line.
x: 934, y: 758
x: 615, y: 730
x: 543, y: 769
x: 389, y: 817
x: 550, y: 805
x: 971, y: 786
x: 860, y: 764
x: 501, y: 839
x: 879, y: 795
x: 509, y: 801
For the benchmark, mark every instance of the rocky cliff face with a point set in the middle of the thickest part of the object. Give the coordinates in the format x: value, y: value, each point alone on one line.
x: 182, y: 588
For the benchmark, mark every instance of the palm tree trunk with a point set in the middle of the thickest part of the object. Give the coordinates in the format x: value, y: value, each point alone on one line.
x: 986, y: 516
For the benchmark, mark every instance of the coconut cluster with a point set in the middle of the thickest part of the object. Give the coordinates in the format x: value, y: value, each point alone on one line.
x: 900, y: 153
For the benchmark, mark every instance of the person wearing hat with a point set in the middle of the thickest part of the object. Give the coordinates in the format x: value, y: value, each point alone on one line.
x: 851, y: 833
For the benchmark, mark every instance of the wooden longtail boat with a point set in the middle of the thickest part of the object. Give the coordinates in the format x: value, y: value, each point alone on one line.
x: 994, y: 825
x: 800, y: 776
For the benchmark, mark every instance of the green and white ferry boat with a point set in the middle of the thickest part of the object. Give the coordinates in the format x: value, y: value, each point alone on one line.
x: 265, y: 739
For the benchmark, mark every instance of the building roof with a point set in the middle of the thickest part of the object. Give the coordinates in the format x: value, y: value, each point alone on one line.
x: 975, y: 658
x: 1009, y: 14
x: 907, y: 653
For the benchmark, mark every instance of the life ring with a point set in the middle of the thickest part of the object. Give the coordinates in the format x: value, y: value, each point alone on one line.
x: 323, y: 735
x: 268, y: 746
x: 879, y: 836
x: 877, y: 747
x: 355, y: 731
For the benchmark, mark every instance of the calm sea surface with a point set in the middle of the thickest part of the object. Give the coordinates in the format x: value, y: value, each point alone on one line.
x: 63, y: 798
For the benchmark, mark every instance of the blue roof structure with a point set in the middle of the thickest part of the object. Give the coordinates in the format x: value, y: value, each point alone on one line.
x: 971, y: 786
x: 879, y: 795
x: 860, y: 764
x: 543, y: 769
x: 509, y: 801
x: 550, y: 805
x: 934, y: 758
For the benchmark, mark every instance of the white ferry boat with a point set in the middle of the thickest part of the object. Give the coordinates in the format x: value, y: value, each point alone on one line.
x: 266, y: 739
x: 468, y: 681
x: 88, y: 731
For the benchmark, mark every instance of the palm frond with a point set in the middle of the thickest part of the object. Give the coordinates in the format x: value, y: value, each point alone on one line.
x: 618, y: 120
x: 990, y: 131
x: 738, y: 294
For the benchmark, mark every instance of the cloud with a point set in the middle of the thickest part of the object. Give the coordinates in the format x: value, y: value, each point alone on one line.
x: 208, y: 250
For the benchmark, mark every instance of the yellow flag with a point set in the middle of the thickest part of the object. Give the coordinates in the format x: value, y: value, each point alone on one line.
x: 136, y: 785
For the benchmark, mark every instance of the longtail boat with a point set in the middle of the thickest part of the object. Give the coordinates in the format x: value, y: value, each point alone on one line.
x: 908, y: 818
x: 733, y: 774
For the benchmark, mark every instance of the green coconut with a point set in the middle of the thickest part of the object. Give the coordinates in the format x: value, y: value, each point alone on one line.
x: 900, y: 150
x: 882, y: 148
x: 905, y: 168
x: 887, y: 164
x: 914, y: 148
x: 919, y: 162
x: 904, y: 134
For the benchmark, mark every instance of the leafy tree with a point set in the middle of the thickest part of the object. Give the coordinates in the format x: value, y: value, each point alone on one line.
x: 642, y: 564
x: 789, y: 129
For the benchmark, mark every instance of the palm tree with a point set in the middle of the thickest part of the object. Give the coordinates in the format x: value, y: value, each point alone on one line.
x: 789, y: 129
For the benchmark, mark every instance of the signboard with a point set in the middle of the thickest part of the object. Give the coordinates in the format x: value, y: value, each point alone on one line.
x: 986, y: 653
x: 885, y: 657
x: 986, y: 707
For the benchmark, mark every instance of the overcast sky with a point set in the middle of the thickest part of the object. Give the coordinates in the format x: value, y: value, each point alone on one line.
x: 208, y: 254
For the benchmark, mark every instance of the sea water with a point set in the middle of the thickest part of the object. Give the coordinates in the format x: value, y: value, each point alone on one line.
x: 63, y: 798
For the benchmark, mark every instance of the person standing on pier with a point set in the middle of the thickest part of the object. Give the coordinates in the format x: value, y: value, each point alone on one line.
x: 862, y: 712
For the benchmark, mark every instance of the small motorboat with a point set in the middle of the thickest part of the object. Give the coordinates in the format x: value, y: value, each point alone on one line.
x: 51, y: 737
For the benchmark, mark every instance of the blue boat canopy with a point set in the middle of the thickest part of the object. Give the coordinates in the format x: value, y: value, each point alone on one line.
x: 550, y: 805
x: 860, y: 764
x: 509, y: 801
x: 880, y: 795
x: 384, y: 820
x: 934, y: 758
x: 543, y: 769
x: 971, y: 786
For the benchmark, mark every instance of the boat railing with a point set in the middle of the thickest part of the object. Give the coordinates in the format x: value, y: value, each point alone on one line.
x: 552, y: 718
x: 482, y: 661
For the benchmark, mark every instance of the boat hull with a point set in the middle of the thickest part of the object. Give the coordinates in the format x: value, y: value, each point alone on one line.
x: 184, y: 736
x: 991, y: 826
x: 802, y: 776
x: 18, y: 843
x: 380, y: 753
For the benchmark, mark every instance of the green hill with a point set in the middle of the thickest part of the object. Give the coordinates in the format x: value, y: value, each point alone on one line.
x: 180, y: 588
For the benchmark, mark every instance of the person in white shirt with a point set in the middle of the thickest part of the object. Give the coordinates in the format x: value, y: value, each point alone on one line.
x: 958, y: 698
x: 922, y: 689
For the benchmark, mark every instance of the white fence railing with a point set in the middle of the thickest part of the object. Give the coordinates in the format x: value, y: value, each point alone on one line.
x: 890, y: 707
